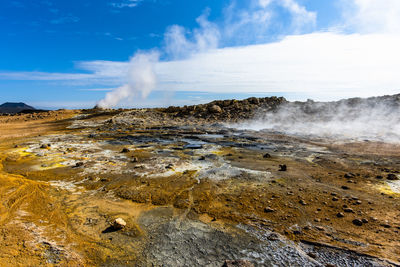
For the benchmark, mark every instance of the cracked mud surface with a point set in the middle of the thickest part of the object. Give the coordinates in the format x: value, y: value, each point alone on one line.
x: 192, y: 193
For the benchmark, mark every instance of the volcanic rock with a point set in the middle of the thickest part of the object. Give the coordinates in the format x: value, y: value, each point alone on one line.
x: 268, y: 210
x: 125, y: 150
x: 214, y: 109
x: 357, y: 222
x: 237, y: 263
x: 392, y: 177
x: 118, y: 224
x: 267, y: 156
x: 282, y: 167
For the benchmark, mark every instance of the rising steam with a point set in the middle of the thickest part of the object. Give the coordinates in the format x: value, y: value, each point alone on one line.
x: 141, y: 79
x: 375, y: 119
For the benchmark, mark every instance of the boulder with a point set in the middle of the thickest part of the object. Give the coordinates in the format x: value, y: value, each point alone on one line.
x: 215, y: 109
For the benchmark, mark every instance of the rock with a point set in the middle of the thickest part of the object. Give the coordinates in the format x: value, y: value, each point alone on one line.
x: 379, y: 177
x: 214, y: 109
x: 79, y: 164
x: 386, y: 225
x: 268, y: 210
x: 302, y: 202
x: 44, y: 146
x: 125, y: 150
x: 340, y: 215
x: 202, y: 158
x: 169, y: 166
x: 364, y: 220
x: 312, y: 255
x: 335, y: 199
x: 349, y: 175
x: 266, y: 156
x: 348, y: 210
x: 134, y: 159
x: 237, y: 263
x: 118, y: 224
x: 345, y: 187
x: 273, y: 237
x: 357, y: 222
x: 282, y: 167
x: 392, y: 177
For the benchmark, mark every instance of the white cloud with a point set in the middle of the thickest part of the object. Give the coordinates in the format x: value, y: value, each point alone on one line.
x: 126, y: 3
x: 325, y: 65
x: 372, y: 16
x: 180, y: 43
x: 301, y: 16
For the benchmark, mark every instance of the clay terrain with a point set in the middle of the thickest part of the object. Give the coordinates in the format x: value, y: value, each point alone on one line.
x: 199, y: 186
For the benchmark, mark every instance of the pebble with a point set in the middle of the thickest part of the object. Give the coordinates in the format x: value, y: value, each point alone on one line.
x: 335, y: 199
x: 266, y: 156
x: 357, y: 222
x: 392, y: 177
x: 345, y: 187
x: 340, y: 215
x: 118, y: 224
x: 348, y: 210
x: 302, y: 202
x: 268, y: 210
x: 282, y: 167
x: 125, y: 150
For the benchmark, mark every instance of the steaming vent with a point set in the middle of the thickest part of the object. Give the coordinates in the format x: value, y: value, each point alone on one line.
x: 375, y: 119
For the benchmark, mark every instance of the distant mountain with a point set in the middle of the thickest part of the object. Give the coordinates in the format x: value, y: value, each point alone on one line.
x: 15, y: 107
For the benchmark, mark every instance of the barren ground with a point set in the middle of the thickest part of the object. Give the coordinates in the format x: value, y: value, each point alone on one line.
x: 192, y: 193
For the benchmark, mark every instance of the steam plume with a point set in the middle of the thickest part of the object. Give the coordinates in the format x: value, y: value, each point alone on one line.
x: 374, y: 119
x: 141, y: 79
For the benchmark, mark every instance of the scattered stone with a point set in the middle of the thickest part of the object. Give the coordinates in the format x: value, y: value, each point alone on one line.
x: 169, y: 166
x: 273, y: 237
x: 317, y: 220
x: 312, y: 255
x: 134, y: 159
x: 340, y: 215
x: 320, y: 228
x: 118, y: 224
x: 345, y: 187
x: 237, y: 263
x: 364, y: 220
x: 348, y: 210
x: 302, y: 202
x: 392, y: 177
x: 215, y: 109
x: 379, y: 177
x: 44, y: 146
x: 125, y: 150
x: 335, y: 199
x: 267, y: 156
x: 349, y: 175
x: 386, y: 225
x: 268, y: 210
x: 202, y: 158
x: 79, y: 164
x: 282, y: 167
x: 357, y: 222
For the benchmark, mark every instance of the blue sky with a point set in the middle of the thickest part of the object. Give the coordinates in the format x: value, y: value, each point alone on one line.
x: 57, y: 54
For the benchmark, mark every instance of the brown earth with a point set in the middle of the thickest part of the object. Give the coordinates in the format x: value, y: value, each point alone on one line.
x: 58, y: 214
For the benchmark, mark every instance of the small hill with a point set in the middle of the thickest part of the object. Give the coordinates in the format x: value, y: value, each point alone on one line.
x: 15, y: 107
